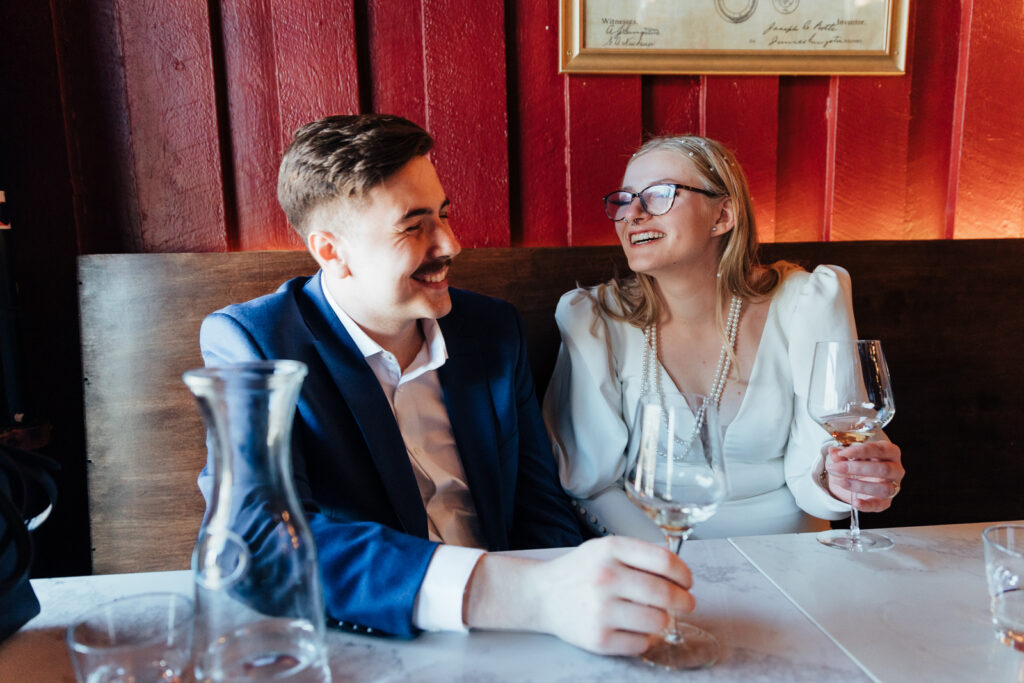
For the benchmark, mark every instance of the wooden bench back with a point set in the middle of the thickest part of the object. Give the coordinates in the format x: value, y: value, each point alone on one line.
x: 947, y: 312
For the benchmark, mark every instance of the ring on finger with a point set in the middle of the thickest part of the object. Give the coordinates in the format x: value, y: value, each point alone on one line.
x: 895, y: 488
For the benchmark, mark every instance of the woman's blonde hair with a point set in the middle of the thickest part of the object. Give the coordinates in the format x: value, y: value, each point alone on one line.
x: 633, y: 299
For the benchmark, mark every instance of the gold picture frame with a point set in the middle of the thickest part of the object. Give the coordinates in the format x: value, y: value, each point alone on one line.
x: 805, y: 37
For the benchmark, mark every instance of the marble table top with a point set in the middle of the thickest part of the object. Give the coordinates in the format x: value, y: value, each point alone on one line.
x: 783, y: 607
x: 917, y: 612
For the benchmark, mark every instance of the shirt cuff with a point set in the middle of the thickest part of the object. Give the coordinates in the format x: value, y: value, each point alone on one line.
x: 438, y: 604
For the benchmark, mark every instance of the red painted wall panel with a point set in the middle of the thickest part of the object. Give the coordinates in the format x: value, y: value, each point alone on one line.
x: 671, y: 105
x: 539, y: 209
x: 250, y: 86
x: 933, y: 54
x: 872, y: 117
x: 604, y: 129
x: 990, y: 193
x: 466, y: 113
x: 801, y: 167
x: 176, y: 121
x: 172, y: 121
x: 315, y: 56
x: 394, y: 40
x: 742, y: 113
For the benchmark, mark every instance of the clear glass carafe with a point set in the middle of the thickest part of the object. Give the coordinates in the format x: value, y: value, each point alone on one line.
x: 258, y: 599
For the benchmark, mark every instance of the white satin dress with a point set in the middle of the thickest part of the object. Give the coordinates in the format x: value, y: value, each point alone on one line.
x: 772, y: 447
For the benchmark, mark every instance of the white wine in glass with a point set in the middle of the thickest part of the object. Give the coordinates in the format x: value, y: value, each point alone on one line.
x: 677, y: 478
x: 850, y: 395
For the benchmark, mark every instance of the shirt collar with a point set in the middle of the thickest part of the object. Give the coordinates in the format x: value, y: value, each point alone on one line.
x: 434, y: 344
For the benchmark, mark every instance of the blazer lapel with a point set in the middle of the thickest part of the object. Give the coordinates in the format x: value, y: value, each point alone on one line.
x: 361, y: 391
x: 467, y: 396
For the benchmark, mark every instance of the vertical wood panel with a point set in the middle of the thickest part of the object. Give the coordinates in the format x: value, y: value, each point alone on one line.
x: 742, y: 113
x: 872, y: 134
x: 990, y: 195
x: 671, y: 105
x: 175, y: 151
x: 803, y: 146
x: 932, y: 58
x: 539, y: 210
x: 911, y: 156
x: 256, y: 137
x: 315, y: 55
x: 466, y: 113
x: 93, y: 98
x: 604, y: 129
x: 395, y: 48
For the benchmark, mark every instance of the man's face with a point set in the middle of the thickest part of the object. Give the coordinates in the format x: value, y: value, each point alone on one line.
x: 397, y: 246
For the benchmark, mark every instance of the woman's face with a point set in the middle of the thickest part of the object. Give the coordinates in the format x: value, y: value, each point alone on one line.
x: 681, y: 237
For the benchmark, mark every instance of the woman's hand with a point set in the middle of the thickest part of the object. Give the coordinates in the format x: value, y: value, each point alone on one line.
x: 872, y: 470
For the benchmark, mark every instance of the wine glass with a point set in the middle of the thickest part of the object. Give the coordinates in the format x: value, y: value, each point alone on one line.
x: 678, y: 479
x: 850, y: 395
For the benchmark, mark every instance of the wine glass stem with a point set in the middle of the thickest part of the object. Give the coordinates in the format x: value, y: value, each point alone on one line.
x: 675, y: 544
x: 854, y: 518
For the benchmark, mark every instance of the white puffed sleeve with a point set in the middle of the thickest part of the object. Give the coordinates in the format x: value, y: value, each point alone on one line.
x: 583, y: 405
x: 815, y: 307
x: 583, y: 410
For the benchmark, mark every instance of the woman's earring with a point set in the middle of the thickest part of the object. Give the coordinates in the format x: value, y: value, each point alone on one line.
x: 714, y: 228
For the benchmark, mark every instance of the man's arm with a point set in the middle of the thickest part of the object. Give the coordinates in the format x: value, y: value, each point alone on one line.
x: 606, y: 596
x: 543, y: 514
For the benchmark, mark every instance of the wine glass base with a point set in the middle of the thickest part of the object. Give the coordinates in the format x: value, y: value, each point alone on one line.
x: 693, y: 648
x: 866, y: 542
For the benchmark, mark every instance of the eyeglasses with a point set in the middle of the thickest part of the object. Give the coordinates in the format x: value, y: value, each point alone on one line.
x: 655, y: 200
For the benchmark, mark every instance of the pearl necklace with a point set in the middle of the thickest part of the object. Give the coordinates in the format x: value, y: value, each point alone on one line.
x: 714, y: 397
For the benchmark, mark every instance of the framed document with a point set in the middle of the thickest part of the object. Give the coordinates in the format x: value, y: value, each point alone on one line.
x: 734, y: 36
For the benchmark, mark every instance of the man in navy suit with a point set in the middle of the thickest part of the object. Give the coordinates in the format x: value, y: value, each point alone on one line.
x: 418, y: 445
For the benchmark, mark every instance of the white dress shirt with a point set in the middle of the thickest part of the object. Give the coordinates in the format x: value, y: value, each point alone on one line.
x: 417, y: 401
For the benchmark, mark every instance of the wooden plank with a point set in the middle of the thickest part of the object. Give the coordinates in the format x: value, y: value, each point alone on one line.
x: 728, y: 115
x: 671, y: 105
x: 538, y: 176
x: 141, y: 315
x: 990, y: 198
x: 93, y: 99
x: 250, y: 84
x: 394, y: 47
x: 932, y: 57
x: 803, y: 154
x: 871, y: 151
x: 604, y: 129
x: 172, y: 121
x: 144, y: 434
x: 466, y: 113
x: 315, y: 58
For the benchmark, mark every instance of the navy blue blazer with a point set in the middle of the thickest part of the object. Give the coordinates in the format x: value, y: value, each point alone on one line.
x: 351, y: 468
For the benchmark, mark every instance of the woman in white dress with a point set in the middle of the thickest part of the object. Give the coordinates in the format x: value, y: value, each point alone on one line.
x: 703, y: 310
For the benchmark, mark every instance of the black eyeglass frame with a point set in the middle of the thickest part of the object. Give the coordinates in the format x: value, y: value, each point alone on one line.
x: 643, y: 203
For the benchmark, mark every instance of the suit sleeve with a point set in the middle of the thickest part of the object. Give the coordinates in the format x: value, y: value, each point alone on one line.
x: 543, y: 516
x: 371, y: 573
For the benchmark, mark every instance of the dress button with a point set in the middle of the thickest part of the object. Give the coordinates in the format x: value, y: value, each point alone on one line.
x: 593, y: 519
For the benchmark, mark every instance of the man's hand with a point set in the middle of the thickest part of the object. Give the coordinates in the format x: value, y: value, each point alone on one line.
x: 606, y: 596
x: 871, y: 469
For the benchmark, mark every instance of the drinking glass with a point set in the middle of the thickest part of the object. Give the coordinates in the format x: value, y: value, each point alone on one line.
x: 145, y: 637
x: 1004, y: 568
x: 850, y: 395
x: 677, y: 478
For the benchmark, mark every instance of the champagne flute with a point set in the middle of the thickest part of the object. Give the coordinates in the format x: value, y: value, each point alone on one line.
x: 850, y: 395
x: 677, y: 478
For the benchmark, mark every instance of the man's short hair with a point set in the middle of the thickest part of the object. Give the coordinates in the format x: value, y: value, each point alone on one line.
x: 343, y: 158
